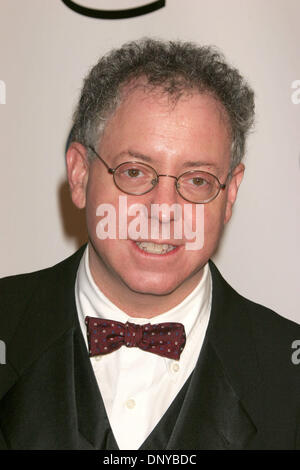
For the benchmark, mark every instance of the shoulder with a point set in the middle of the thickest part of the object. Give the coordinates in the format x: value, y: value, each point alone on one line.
x: 273, y: 337
x: 268, y: 325
x: 17, y: 292
x: 261, y: 317
x: 276, y: 340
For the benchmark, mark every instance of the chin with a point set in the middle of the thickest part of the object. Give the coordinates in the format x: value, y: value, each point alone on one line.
x: 152, y: 286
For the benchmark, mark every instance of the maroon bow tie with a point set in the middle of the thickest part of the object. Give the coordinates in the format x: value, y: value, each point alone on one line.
x: 164, y: 339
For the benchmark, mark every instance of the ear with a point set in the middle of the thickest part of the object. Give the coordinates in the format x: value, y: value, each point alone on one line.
x: 78, y: 172
x: 233, y: 186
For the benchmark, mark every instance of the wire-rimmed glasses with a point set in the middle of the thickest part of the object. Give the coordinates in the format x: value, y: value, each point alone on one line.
x: 137, y: 178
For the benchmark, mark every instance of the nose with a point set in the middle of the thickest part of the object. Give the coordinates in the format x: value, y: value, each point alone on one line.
x: 165, y: 195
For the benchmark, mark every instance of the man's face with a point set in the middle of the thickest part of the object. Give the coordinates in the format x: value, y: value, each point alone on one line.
x: 173, y: 138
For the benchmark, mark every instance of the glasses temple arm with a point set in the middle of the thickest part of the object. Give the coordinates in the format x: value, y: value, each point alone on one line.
x: 110, y: 170
x: 223, y: 186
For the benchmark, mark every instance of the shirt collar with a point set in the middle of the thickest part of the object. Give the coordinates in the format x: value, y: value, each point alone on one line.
x: 92, y: 302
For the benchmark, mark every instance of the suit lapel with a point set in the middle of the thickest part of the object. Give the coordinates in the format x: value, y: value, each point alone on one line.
x: 217, y: 412
x: 93, y: 422
x: 212, y: 416
x: 54, y: 364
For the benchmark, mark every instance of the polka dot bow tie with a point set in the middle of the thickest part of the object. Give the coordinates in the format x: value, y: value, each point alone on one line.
x: 164, y: 339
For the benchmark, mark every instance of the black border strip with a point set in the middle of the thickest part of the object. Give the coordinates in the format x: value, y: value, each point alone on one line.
x: 115, y: 14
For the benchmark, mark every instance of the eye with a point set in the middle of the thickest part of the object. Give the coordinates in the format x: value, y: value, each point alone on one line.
x: 133, y: 172
x: 198, y: 181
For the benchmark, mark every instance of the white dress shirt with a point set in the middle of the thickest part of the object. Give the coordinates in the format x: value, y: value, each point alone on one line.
x: 138, y: 387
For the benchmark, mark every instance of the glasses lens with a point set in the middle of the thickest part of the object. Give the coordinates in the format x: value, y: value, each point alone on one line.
x: 135, y: 178
x: 198, y: 186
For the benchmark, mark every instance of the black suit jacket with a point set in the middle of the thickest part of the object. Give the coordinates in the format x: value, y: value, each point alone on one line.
x: 243, y: 394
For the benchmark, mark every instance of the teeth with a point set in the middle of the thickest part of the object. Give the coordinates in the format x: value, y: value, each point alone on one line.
x: 155, y: 248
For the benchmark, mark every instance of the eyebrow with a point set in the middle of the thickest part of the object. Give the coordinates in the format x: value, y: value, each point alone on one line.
x: 186, y: 164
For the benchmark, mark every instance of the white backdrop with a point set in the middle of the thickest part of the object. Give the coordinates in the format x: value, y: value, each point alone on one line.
x: 45, y: 51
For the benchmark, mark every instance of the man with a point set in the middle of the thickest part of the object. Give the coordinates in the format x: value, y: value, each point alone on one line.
x: 136, y: 341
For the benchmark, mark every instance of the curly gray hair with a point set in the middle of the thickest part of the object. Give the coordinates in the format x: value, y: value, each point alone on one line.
x: 175, y: 67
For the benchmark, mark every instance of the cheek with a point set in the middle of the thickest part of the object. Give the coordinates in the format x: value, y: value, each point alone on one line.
x: 92, y: 202
x: 98, y: 192
x: 214, y: 215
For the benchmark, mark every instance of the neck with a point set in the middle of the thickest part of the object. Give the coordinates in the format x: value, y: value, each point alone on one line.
x: 136, y: 304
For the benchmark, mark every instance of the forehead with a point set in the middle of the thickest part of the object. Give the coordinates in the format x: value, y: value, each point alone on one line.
x: 161, y: 126
x: 157, y: 99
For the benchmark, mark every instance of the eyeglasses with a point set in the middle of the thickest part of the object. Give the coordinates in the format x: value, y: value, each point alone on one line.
x: 136, y: 178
